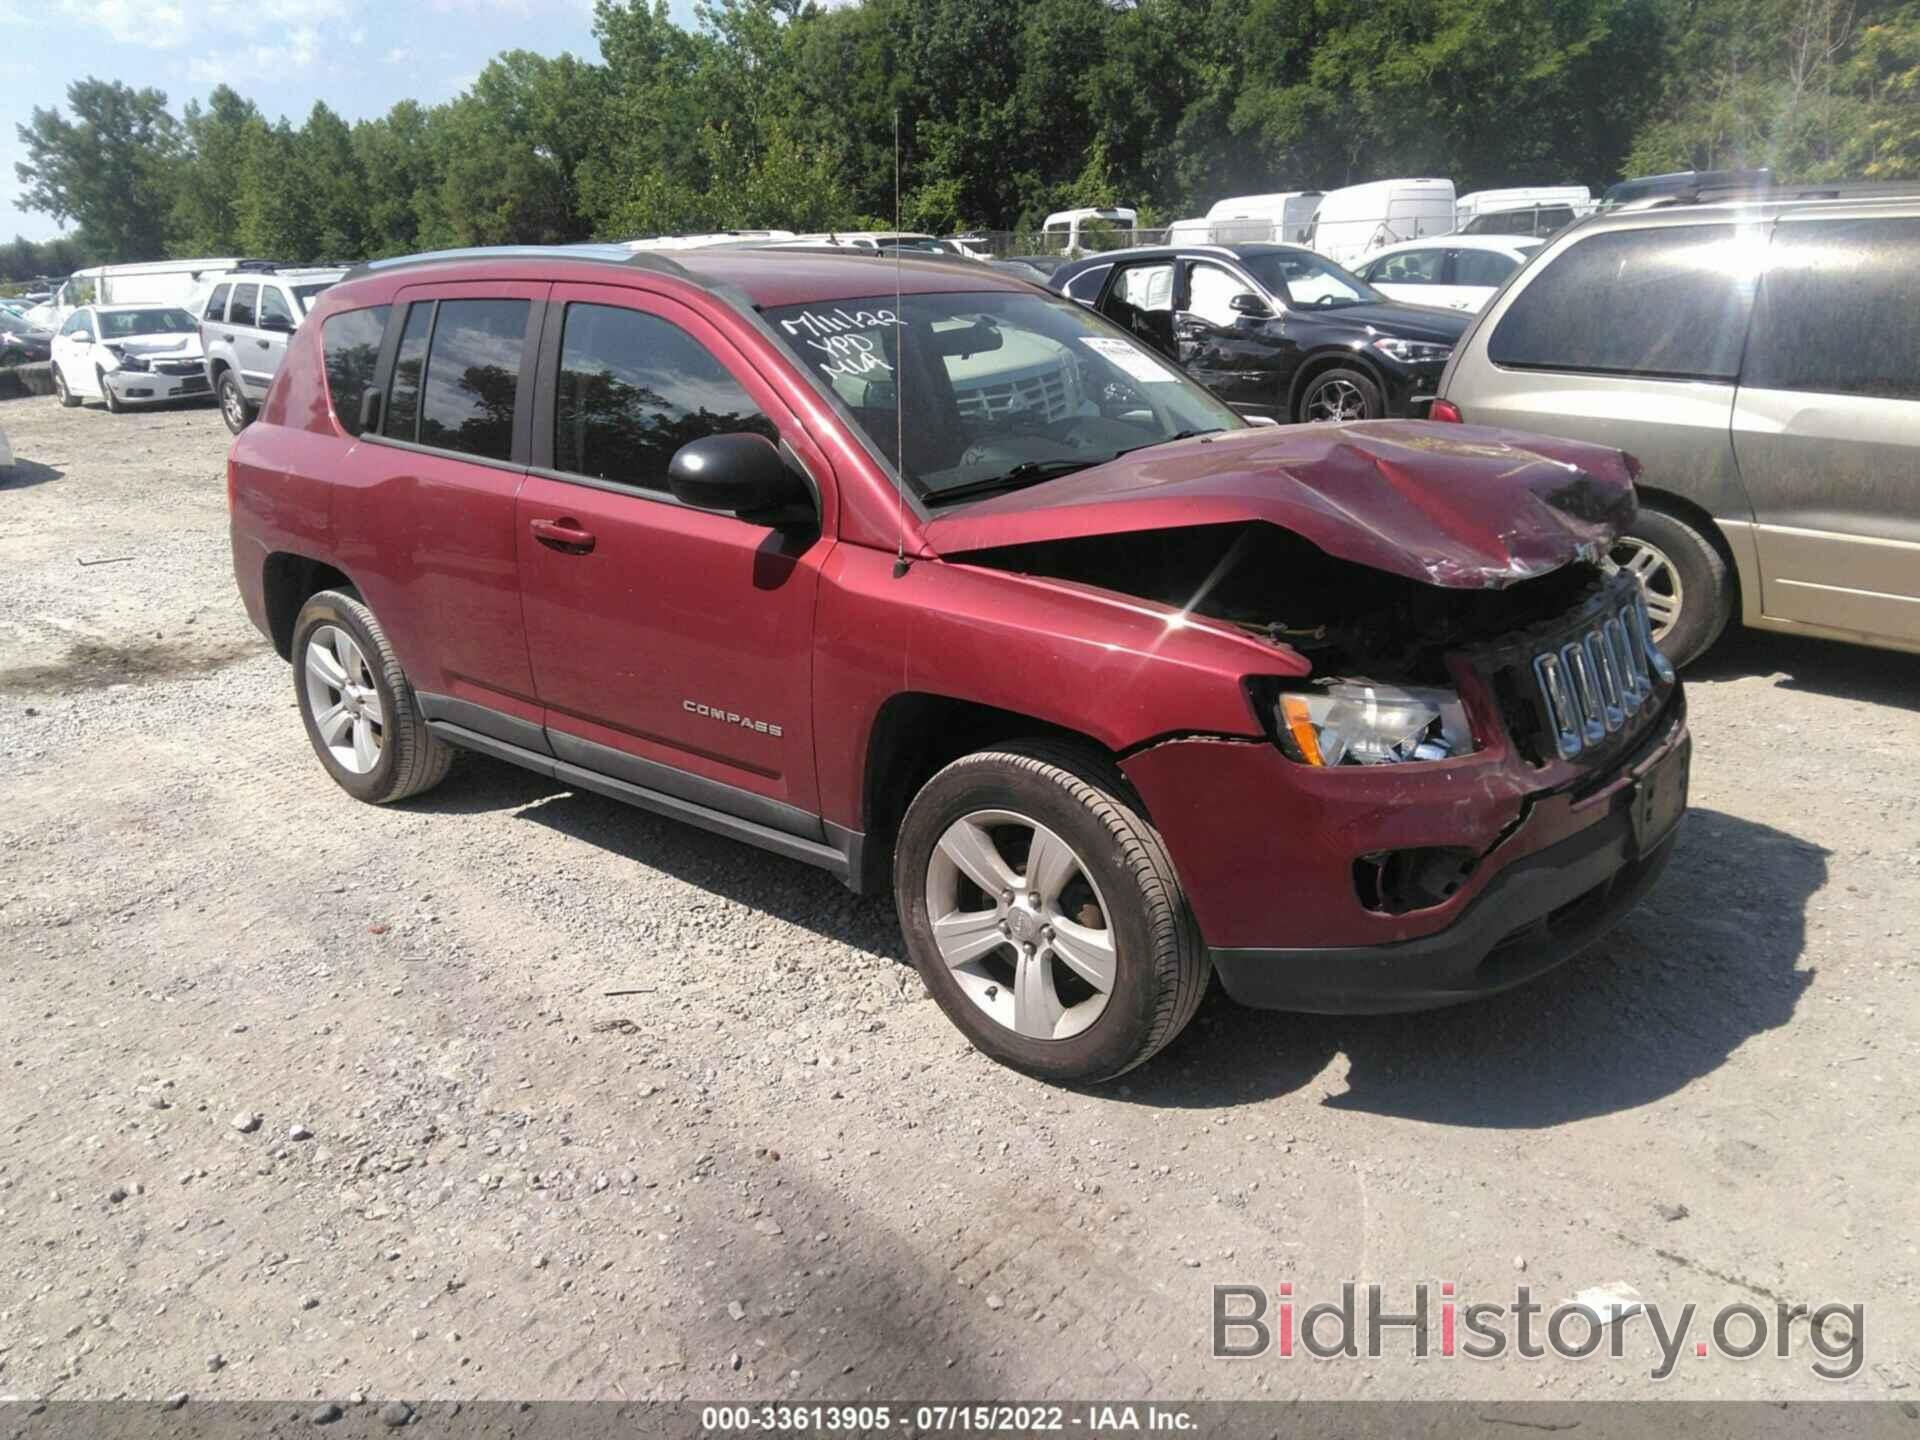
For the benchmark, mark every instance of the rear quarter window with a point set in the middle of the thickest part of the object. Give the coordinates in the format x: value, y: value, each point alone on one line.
x: 1669, y: 303
x: 350, y: 343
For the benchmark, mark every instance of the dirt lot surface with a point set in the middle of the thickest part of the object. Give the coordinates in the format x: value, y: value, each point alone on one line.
x: 557, y: 1099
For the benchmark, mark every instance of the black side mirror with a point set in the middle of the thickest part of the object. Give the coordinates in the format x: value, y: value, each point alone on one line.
x: 743, y: 473
x: 1251, y: 305
x: 279, y: 324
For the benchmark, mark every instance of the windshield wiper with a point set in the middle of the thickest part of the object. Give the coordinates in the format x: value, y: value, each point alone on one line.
x: 1169, y: 439
x: 1025, y: 473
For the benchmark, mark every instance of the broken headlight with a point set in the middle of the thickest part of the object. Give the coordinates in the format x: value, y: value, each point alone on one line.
x: 1359, y: 722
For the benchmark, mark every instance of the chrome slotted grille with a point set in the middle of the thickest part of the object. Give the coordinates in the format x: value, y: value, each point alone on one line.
x: 1593, y: 682
x: 1045, y: 396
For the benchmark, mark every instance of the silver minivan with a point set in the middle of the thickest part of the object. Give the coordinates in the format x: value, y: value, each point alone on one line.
x: 1761, y: 360
x: 245, y: 323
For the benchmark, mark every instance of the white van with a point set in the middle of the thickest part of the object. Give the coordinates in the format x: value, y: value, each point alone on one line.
x: 1283, y: 216
x: 1063, y: 226
x: 151, y: 282
x: 1538, y: 210
x: 1196, y: 231
x: 1352, y: 223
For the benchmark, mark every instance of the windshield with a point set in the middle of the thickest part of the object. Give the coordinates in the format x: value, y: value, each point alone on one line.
x: 1307, y: 281
x: 125, y: 324
x: 307, y: 294
x: 1001, y: 389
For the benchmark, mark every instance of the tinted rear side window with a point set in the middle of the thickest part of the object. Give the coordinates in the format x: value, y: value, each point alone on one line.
x: 633, y: 389
x: 350, y: 342
x: 1086, y: 285
x: 1669, y: 302
x: 403, y: 395
x: 245, y: 298
x: 217, y: 303
x: 1482, y: 267
x: 473, y: 373
x: 1839, y: 310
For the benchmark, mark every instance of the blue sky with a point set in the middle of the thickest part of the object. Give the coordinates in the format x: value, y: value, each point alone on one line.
x: 359, y: 56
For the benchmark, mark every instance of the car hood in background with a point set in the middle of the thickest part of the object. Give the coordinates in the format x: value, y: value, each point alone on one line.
x: 1463, y: 506
x: 1439, y: 324
x: 182, y: 346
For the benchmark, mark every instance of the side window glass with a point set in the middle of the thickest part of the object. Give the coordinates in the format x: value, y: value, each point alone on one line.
x: 350, y: 342
x: 1085, y: 287
x: 473, y: 374
x: 1667, y: 301
x: 1411, y: 267
x: 217, y: 303
x: 402, y: 419
x: 1482, y: 267
x: 245, y: 301
x: 1210, y: 292
x: 1837, y: 310
x: 633, y: 389
x: 274, y: 312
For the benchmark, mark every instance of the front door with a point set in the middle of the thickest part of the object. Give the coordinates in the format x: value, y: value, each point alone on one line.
x: 268, y: 343
x: 1247, y: 360
x: 672, y: 647
x: 246, y: 341
x: 1139, y: 299
x: 1826, y: 425
x: 77, y: 355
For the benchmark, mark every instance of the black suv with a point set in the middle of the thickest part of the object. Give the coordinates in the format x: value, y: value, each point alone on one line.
x: 1274, y: 330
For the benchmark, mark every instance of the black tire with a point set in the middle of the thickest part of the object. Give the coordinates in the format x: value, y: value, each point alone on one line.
x: 63, y: 390
x: 412, y: 758
x: 1161, y: 969
x: 114, y: 407
x: 234, y: 405
x: 1706, y: 582
x: 1328, y: 382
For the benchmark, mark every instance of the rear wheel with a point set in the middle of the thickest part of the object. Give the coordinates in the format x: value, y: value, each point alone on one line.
x: 1041, y: 909
x: 1686, y: 580
x: 234, y: 408
x: 360, y: 712
x: 1341, y: 394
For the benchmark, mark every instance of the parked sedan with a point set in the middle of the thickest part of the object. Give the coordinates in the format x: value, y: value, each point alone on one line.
x: 1276, y: 331
x: 1462, y: 272
x: 128, y: 355
x: 21, y: 342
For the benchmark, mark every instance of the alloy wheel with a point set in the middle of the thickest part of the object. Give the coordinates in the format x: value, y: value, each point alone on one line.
x: 344, y: 700
x: 233, y: 407
x: 1021, y: 925
x: 1336, y: 399
x: 1659, y: 581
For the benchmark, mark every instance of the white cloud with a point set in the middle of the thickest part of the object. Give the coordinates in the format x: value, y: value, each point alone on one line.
x: 398, y: 55
x: 173, y: 24
x: 299, y: 48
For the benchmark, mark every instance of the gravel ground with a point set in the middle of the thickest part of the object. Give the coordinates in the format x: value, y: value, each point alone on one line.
x: 514, y: 1092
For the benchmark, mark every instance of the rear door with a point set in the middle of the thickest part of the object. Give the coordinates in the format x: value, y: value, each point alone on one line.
x: 436, y: 526
x: 1139, y: 299
x: 1419, y: 277
x: 672, y: 647
x: 245, y: 340
x: 1827, y: 424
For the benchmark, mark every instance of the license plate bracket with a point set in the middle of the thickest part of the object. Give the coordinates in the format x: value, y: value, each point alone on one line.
x: 1659, y: 798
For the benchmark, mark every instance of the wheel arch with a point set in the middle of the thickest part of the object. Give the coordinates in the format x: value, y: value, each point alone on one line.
x: 288, y: 581
x: 1318, y: 363
x: 1652, y: 497
x: 914, y: 735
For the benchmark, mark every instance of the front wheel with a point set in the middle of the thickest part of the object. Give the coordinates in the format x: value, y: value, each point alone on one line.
x: 234, y: 408
x: 1341, y: 394
x: 360, y: 712
x: 1041, y: 909
x: 63, y: 390
x: 1685, y: 578
x: 114, y: 407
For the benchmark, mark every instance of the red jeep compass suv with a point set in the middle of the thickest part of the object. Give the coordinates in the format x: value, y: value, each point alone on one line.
x: 938, y: 581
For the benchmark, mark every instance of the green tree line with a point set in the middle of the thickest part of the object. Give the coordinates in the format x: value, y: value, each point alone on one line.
x: 782, y: 113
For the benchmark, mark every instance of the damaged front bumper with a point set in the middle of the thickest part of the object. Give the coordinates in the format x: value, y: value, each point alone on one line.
x: 1276, y: 890
x: 172, y: 380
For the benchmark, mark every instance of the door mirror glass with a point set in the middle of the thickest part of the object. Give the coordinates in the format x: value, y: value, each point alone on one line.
x: 1251, y: 305
x: 742, y: 473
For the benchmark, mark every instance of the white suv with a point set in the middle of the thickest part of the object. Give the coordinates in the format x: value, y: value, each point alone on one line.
x: 245, y: 322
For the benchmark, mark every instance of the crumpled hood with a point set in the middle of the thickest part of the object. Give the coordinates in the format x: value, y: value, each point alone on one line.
x: 1465, y: 506
x: 182, y: 346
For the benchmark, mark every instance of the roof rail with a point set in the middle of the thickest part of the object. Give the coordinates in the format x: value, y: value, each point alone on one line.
x: 587, y: 253
x: 1776, y: 194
